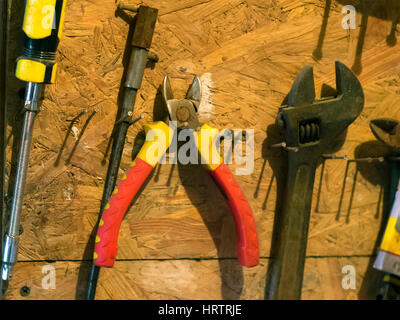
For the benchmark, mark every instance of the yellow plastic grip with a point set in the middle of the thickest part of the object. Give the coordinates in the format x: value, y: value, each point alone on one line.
x: 35, y: 71
x: 62, y: 18
x: 391, y: 238
x: 53, y: 73
x: 158, y: 139
x: 30, y: 70
x: 39, y: 18
x: 205, y: 142
x: 391, y: 279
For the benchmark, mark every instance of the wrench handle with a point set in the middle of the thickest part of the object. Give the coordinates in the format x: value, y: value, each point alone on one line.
x: 290, y: 241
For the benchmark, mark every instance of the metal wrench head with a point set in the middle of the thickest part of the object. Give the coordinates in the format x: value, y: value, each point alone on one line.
x: 183, y: 112
x: 316, y: 123
x: 387, y: 131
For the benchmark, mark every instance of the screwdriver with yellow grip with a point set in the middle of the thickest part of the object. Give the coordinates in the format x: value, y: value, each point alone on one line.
x: 42, y: 27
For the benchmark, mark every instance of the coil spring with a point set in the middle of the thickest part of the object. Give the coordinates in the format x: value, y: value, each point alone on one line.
x: 309, y: 132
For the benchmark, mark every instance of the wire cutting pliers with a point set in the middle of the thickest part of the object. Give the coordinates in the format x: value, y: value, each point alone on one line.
x: 182, y: 114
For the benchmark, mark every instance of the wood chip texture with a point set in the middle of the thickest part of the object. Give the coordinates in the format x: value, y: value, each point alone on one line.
x: 177, y: 241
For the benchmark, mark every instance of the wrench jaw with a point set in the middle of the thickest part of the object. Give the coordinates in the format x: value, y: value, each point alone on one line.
x: 301, y: 95
x: 307, y: 122
x: 300, y: 99
x: 302, y: 92
x: 347, y: 84
x: 351, y: 97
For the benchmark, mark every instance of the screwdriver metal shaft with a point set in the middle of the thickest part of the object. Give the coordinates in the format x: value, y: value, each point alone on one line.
x: 32, y: 98
x: 37, y: 66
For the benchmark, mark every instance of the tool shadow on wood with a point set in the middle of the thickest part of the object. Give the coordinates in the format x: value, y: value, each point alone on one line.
x: 202, y: 192
x: 376, y: 173
x: 274, y: 158
x: 86, y: 262
x: 78, y: 137
x: 384, y: 10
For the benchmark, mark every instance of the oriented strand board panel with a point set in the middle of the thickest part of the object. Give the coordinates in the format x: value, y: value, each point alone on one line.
x: 179, y: 279
x: 177, y: 240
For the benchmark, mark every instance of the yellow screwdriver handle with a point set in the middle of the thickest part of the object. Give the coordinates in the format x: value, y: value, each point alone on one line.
x: 42, y: 26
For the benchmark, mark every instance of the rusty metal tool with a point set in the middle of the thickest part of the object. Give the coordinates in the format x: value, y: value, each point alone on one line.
x: 309, y: 126
x: 182, y: 116
x: 144, y: 25
x: 388, y: 132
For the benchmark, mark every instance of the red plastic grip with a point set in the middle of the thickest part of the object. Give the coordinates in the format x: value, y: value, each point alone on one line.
x: 247, y: 245
x: 106, y: 246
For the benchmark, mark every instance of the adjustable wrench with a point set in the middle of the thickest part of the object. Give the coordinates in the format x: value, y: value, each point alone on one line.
x: 309, y: 126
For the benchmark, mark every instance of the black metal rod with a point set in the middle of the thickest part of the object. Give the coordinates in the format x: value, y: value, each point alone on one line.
x: 141, y: 42
x: 111, y: 178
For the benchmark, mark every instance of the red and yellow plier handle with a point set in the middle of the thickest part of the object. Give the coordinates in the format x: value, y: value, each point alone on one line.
x: 150, y: 154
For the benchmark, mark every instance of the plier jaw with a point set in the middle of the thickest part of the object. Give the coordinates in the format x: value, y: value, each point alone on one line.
x: 182, y: 113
